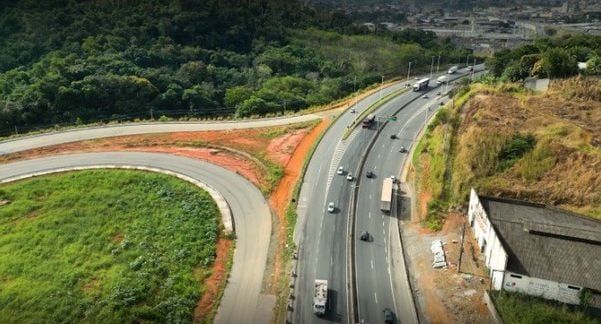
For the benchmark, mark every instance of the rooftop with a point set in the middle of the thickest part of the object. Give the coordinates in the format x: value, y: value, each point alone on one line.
x: 547, y: 243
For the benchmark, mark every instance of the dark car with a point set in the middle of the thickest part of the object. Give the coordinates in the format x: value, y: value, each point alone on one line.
x: 393, y: 136
x: 364, y: 236
x: 388, y: 316
x: 369, y: 174
x: 403, y: 149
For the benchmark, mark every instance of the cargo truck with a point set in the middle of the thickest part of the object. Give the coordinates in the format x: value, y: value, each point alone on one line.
x: 368, y: 120
x: 442, y: 79
x: 421, y: 84
x: 320, y: 297
x: 386, y: 195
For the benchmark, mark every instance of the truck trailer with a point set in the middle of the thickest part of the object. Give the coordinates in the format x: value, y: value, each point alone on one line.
x: 386, y: 195
x: 421, y: 84
x: 320, y: 297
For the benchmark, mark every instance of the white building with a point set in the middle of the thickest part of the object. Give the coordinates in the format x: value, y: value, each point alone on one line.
x: 538, y: 250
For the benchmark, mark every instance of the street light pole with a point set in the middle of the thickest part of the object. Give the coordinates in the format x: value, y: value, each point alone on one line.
x: 432, y: 66
x: 381, y: 86
x: 438, y: 64
x: 408, y: 73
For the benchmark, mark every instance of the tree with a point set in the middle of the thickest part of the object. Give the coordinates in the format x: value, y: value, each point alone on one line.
x: 253, y: 106
x: 557, y: 63
x: 236, y: 95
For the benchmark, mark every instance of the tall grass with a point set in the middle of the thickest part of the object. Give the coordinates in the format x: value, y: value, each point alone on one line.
x: 104, y: 246
x: 520, y: 308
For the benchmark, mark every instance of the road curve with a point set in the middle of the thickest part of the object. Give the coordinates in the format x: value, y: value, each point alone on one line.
x: 242, y: 301
x: 35, y: 141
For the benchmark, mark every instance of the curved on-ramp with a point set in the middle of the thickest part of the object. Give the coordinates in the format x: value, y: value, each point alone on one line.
x: 242, y: 301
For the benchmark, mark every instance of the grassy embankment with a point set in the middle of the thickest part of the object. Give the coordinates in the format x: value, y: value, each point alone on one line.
x: 517, y: 308
x: 503, y: 140
x: 104, y: 246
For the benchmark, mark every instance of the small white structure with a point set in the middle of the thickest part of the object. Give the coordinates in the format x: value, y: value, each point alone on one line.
x: 538, y: 250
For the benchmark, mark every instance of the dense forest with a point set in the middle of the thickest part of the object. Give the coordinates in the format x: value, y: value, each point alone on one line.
x: 555, y: 57
x: 68, y: 61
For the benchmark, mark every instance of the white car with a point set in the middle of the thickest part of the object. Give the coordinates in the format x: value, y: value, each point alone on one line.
x: 425, y: 96
x: 340, y: 171
x: 331, y: 207
x: 349, y: 177
x: 393, y: 178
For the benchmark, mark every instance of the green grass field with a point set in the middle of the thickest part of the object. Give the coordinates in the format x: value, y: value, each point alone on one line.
x: 108, y: 246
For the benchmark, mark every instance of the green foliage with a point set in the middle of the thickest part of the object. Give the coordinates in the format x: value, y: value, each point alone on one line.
x: 555, y: 57
x: 514, y: 149
x: 521, y: 308
x: 104, y: 246
x: 435, y: 217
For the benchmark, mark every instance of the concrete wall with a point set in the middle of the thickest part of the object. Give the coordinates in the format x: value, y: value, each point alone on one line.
x: 488, y: 241
x: 542, y: 288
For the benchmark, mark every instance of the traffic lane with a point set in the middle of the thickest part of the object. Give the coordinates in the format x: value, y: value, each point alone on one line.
x: 332, y: 243
x: 316, y: 177
x: 252, y: 216
x: 384, y: 153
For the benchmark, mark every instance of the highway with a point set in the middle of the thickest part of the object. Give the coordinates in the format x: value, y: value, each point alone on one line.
x: 322, y: 236
x: 319, y: 234
x: 380, y: 270
x: 242, y: 301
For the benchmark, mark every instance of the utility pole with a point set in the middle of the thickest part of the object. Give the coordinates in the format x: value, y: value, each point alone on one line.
x: 408, y: 73
x: 438, y: 64
x: 432, y: 67
x: 381, y: 86
x: 355, y: 85
x: 467, y: 61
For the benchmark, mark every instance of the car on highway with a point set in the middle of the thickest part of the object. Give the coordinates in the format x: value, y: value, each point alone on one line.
x: 364, y: 236
x: 425, y: 96
x: 388, y: 316
x: 393, y: 178
x: 340, y: 171
x: 331, y: 207
x: 369, y: 174
x: 349, y: 177
x: 403, y: 149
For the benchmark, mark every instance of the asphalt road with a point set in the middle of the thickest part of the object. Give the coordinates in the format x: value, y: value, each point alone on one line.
x: 35, y: 141
x: 381, y: 275
x: 321, y: 235
x: 242, y: 301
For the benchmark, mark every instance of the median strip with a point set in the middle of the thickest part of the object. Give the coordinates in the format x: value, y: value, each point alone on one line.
x: 371, y: 109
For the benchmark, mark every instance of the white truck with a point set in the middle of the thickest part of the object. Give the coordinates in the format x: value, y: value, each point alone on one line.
x: 320, y: 297
x: 442, y: 79
x: 453, y: 69
x: 386, y: 195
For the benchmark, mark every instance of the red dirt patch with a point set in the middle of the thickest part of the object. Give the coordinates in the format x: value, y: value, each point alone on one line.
x: 281, y: 148
x: 215, y: 281
x: 281, y: 196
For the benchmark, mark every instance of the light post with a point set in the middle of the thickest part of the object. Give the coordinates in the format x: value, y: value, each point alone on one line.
x: 381, y: 86
x: 438, y: 64
x: 432, y: 67
x: 408, y: 73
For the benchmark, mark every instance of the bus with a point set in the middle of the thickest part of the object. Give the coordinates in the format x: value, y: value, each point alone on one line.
x: 368, y: 120
x: 421, y: 84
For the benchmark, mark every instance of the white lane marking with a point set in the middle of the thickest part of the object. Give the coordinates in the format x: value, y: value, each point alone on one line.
x: 369, y: 214
x: 375, y: 168
x: 372, y: 264
x: 376, y: 297
x: 331, y: 260
x: 370, y: 196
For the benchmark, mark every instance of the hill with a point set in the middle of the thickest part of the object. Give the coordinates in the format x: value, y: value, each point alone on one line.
x: 506, y: 141
x: 85, y: 61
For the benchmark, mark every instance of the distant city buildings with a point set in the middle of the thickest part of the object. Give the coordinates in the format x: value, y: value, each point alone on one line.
x: 483, y: 26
